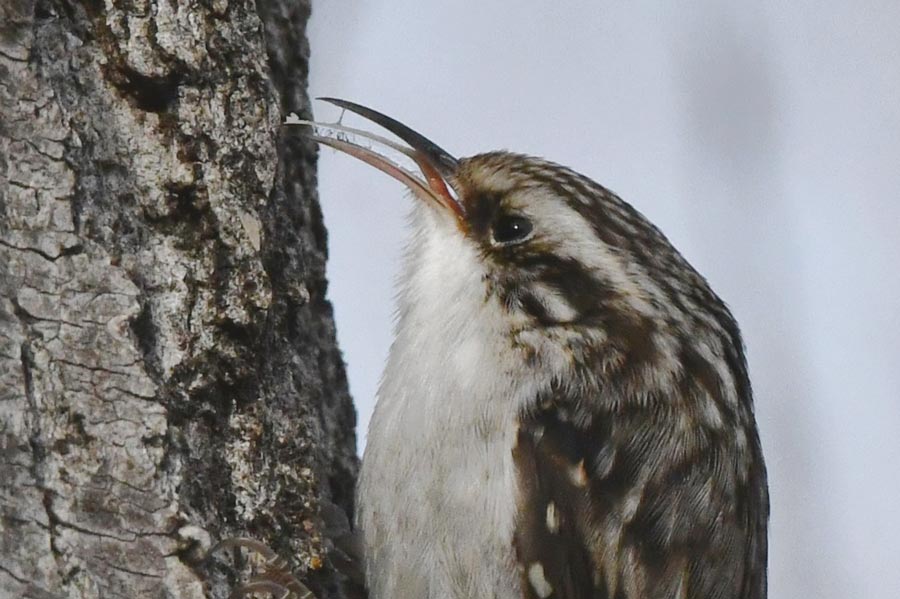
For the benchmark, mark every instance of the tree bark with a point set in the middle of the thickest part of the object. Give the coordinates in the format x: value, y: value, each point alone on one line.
x: 168, y: 368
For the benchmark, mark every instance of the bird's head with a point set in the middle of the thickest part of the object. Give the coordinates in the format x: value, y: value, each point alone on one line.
x: 578, y: 272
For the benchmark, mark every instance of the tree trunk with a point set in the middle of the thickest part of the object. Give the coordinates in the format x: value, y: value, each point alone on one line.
x: 168, y: 367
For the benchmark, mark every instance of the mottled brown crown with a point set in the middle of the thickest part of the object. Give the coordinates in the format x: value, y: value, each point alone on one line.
x: 632, y: 284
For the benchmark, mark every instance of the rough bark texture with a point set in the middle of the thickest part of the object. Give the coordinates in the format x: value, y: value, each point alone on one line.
x: 168, y: 368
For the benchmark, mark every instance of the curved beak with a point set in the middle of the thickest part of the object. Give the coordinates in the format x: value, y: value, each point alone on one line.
x: 438, y: 168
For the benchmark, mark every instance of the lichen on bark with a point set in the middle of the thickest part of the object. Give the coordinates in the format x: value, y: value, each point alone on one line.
x: 168, y: 367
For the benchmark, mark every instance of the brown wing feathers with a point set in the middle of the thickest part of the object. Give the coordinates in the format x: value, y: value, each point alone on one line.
x: 553, y: 559
x: 608, y: 512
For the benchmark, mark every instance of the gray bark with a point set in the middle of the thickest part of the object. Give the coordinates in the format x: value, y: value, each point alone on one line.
x: 168, y: 367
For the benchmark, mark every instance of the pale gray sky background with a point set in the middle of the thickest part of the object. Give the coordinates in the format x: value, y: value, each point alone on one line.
x: 763, y: 138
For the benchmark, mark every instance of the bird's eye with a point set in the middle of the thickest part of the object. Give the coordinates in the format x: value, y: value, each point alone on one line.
x: 511, y: 229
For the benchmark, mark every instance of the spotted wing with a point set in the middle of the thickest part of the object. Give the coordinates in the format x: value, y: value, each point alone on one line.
x: 617, y: 506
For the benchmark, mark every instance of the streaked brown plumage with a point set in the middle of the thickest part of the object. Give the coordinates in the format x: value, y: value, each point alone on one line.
x: 566, y: 411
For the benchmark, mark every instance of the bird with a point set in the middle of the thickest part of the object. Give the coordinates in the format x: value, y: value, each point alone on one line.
x: 566, y: 410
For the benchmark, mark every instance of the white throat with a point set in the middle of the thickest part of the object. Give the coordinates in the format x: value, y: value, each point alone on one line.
x: 437, y: 480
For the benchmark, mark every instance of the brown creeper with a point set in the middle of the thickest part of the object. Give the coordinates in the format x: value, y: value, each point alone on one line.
x: 566, y: 410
